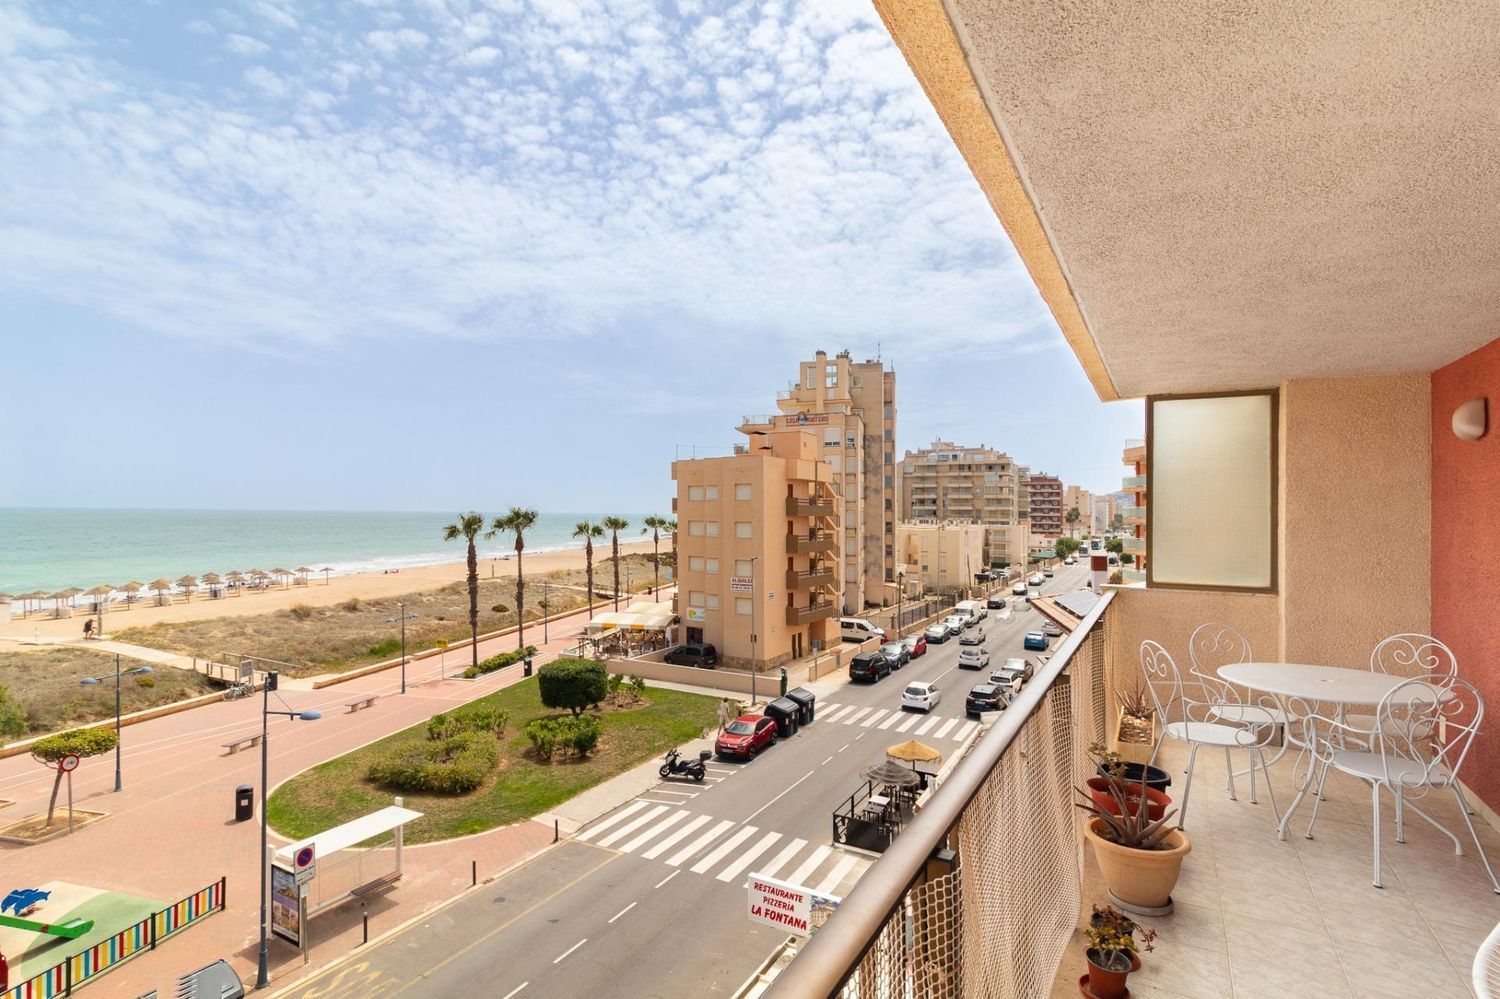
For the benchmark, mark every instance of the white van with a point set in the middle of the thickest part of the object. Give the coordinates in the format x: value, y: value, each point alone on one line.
x: 972, y: 609
x: 857, y: 629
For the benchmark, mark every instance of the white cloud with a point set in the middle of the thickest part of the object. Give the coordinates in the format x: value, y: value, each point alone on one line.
x: 245, y: 45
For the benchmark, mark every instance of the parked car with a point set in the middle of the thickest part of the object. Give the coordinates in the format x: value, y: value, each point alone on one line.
x: 956, y: 624
x: 995, y: 603
x: 1047, y: 573
x: 1019, y: 590
x: 746, y: 736
x: 1034, y: 641
x: 1022, y: 666
x: 857, y: 629
x: 870, y: 666
x: 974, y: 636
x: 1036, y: 579
x: 1008, y: 678
x: 937, y: 634
x: 694, y: 654
x: 896, y: 653
x: 1052, y: 629
x: 921, y: 695
x: 916, y: 645
x: 984, y: 697
x: 973, y: 658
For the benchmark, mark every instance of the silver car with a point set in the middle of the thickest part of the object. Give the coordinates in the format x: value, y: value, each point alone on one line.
x: 974, y: 636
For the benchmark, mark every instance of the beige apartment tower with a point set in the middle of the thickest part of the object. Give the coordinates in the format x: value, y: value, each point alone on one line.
x: 940, y: 556
x: 1083, y: 500
x: 950, y: 483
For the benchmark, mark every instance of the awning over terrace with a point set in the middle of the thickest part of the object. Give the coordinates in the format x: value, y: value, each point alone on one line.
x: 641, y: 617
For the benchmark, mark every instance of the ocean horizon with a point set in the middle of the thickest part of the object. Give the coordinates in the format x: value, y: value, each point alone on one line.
x: 55, y: 548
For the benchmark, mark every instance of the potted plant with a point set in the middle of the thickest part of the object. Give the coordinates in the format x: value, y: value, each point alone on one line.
x: 1113, y: 772
x: 1135, y: 731
x: 1139, y: 857
x: 1112, y: 953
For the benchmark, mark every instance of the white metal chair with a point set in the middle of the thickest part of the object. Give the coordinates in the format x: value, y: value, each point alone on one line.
x: 1406, y: 655
x: 1216, y: 644
x: 1486, y: 969
x: 1204, y: 708
x: 1421, y: 735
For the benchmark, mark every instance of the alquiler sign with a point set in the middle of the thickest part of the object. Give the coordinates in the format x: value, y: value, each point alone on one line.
x: 780, y: 904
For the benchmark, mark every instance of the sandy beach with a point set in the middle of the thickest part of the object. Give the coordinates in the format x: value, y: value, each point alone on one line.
x: 338, y: 589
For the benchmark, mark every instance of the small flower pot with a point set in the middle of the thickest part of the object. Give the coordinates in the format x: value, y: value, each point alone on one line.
x: 1156, y: 777
x: 1107, y: 981
x: 1100, y: 792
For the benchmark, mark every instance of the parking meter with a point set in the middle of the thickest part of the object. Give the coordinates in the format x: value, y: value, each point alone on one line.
x: 783, y: 681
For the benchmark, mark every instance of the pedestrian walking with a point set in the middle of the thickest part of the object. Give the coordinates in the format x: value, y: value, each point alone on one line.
x: 723, y: 713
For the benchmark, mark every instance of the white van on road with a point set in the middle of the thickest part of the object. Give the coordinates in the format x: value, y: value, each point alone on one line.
x: 857, y: 629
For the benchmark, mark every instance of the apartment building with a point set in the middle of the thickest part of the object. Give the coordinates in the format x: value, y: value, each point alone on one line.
x: 979, y: 485
x: 940, y: 555
x: 850, y: 406
x: 1134, y: 510
x: 1103, y: 513
x: 759, y: 545
x: 1045, y: 493
x: 1076, y: 497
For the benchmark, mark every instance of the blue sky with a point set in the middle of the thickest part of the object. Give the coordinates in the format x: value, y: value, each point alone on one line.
x: 449, y: 253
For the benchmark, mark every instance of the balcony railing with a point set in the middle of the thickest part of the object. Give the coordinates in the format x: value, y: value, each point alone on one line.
x: 815, y: 612
x: 1133, y: 514
x: 979, y: 895
x: 1133, y: 482
x: 1135, y: 545
x: 810, y: 544
x: 799, y: 506
x: 807, y: 580
x: 760, y: 420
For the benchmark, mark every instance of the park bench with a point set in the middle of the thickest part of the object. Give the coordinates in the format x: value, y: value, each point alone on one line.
x: 379, y: 886
x: 361, y: 702
x: 243, y: 742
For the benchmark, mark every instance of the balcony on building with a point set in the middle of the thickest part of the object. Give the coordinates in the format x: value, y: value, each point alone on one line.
x: 808, y: 613
x: 1133, y: 514
x: 812, y: 543
x: 1133, y: 483
x: 1356, y: 400
x: 807, y: 579
x: 802, y: 506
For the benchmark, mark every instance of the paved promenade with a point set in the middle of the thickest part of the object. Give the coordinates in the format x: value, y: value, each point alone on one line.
x: 171, y: 830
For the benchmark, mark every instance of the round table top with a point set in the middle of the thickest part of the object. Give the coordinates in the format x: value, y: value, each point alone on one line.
x: 1313, y: 683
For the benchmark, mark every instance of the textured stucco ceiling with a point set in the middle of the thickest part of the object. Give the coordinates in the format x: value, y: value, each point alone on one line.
x: 1242, y: 193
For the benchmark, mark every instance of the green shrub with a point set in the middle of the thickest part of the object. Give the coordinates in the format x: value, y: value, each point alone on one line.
x: 440, y: 726
x: 500, y: 661
x: 638, y: 685
x: 500, y: 608
x: 543, y: 736
x: 82, y: 742
x: 547, y: 735
x: 585, y: 734
x: 491, y: 720
x: 389, y: 647
x: 145, y: 681
x: 573, y: 684
x: 616, y: 681
x: 456, y: 765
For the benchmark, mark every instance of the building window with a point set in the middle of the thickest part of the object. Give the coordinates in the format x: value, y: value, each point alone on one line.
x: 711, y: 565
x: 742, y: 605
x: 830, y: 436
x: 1211, y: 519
x: 711, y: 492
x: 713, y: 601
x: 695, y: 493
x: 713, y: 528
x: 695, y: 598
x: 831, y: 376
x: 887, y: 433
x: 851, y: 465
x: 742, y: 529
x: 695, y: 528
x: 742, y: 490
x: 742, y: 567
x: 695, y: 563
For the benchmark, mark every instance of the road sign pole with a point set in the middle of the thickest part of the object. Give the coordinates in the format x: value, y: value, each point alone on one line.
x: 70, y: 801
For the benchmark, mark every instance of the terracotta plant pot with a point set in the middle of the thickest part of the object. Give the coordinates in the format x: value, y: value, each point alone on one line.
x: 1099, y: 791
x: 1106, y: 983
x: 1140, y: 878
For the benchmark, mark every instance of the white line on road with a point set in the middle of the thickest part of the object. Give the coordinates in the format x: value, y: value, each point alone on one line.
x: 843, y: 747
x: 672, y: 790
x: 622, y: 912
x: 662, y: 847
x: 946, y: 728
x: 893, y: 719
x: 558, y: 958
x: 809, y: 865
x: 840, y: 869
x: 726, y: 771
x: 672, y: 802
x: 854, y: 718
x: 927, y: 725
x: 825, y: 762
x: 909, y: 723
x: 963, y: 733
x: 669, y: 877
x: 632, y: 825
x: 779, y: 861
x: 873, y: 719
x: 745, y: 859
x: 860, y: 736
x: 773, y: 801
x: 653, y: 832
x: 699, y: 843
x: 837, y: 713
x: 703, y: 865
x: 516, y: 991
x: 619, y: 816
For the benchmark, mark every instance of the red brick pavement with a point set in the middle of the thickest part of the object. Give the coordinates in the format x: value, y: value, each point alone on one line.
x: 171, y: 830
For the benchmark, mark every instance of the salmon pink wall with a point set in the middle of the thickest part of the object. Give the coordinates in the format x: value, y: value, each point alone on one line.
x: 1465, y: 538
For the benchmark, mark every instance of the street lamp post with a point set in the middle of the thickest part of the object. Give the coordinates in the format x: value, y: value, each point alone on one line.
x: 91, y: 681
x: 754, y: 599
x: 262, y: 978
x: 900, y: 599
x: 546, y: 610
x: 403, y: 617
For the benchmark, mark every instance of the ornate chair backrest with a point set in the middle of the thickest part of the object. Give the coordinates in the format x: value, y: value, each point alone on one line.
x: 1213, y: 645
x: 1429, y: 720
x: 1412, y: 655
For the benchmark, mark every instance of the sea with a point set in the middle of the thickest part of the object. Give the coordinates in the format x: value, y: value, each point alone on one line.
x: 54, y: 549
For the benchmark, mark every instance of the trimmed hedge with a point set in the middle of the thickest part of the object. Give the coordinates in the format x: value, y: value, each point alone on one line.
x: 445, y: 726
x: 500, y: 661
x: 449, y: 766
x: 573, y: 684
x: 547, y: 735
x: 84, y: 742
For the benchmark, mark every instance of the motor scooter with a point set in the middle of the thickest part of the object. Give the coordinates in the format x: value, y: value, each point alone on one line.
x: 676, y: 766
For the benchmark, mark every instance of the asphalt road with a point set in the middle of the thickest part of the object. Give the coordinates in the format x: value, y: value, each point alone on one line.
x: 649, y: 899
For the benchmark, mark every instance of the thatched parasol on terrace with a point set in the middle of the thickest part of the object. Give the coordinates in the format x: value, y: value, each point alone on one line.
x: 162, y: 587
x: 61, y: 595
x: 913, y: 751
x: 892, y: 774
x: 188, y: 584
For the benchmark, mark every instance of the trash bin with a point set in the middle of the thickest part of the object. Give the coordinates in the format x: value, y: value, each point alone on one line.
x: 527, y: 670
x: 806, y: 703
x: 244, y: 803
x: 785, y: 712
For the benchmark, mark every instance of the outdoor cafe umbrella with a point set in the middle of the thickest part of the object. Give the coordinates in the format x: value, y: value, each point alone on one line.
x: 892, y: 774
x: 913, y: 752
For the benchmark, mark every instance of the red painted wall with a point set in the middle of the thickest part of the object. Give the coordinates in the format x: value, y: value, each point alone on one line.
x: 1465, y: 538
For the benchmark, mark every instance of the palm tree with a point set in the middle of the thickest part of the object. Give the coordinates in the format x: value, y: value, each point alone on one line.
x: 614, y: 525
x: 1072, y: 519
x: 671, y: 528
x: 588, y: 532
x: 654, y: 526
x: 467, y: 526
x: 517, y: 521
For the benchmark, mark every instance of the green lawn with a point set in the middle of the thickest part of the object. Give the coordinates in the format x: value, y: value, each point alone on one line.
x: 520, y: 787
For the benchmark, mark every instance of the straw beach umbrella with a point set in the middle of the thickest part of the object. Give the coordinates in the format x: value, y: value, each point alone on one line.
x: 131, y: 589
x: 892, y: 774
x: 283, y: 576
x: 325, y: 571
x: 213, y: 581
x: 162, y: 587
x: 188, y: 584
x: 259, y: 578
x: 302, y: 574
x: 235, y: 579
x: 100, y: 594
x: 33, y: 597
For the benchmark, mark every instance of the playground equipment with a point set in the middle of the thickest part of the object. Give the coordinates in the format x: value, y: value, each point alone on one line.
x: 24, y: 901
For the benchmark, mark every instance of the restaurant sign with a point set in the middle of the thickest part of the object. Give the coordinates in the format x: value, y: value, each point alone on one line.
x: 781, y: 904
x: 804, y: 420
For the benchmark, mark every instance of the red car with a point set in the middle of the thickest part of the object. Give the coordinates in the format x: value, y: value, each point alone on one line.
x: 916, y: 645
x: 746, y: 736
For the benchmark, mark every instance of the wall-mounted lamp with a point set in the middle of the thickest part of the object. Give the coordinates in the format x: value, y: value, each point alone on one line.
x: 1470, y: 420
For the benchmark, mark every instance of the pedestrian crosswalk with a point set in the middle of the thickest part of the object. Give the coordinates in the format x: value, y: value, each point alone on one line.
x: 721, y: 848
x: 933, y: 726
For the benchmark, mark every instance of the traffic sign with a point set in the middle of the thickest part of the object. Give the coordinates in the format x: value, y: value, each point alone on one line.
x: 68, y: 763
x: 305, y: 864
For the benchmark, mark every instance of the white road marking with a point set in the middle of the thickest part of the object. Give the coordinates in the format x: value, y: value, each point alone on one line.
x: 653, y: 832
x: 839, y: 870
x: 860, y: 736
x: 745, y: 859
x: 632, y: 825
x: 946, y: 728
x: 699, y: 843
x: 558, y: 958
x: 669, y: 877
x: 854, y: 718
x: 619, y: 816
x: 927, y: 725
x: 909, y: 723
x: 672, y: 790
x: 726, y: 771
x: 893, y: 719
x: 672, y: 802
x: 779, y: 861
x: 963, y: 733
x: 826, y: 762
x: 843, y: 747
x: 660, y: 848
x: 723, y: 848
x: 809, y: 865
x: 516, y: 991
x: 879, y: 714
x: 773, y: 801
x: 832, y: 713
x: 622, y: 912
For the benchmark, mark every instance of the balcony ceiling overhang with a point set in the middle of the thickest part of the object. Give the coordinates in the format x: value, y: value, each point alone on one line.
x: 1215, y: 196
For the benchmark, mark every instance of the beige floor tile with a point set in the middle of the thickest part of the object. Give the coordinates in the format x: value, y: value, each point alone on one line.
x: 1392, y: 970
x: 1258, y: 973
x: 1188, y: 925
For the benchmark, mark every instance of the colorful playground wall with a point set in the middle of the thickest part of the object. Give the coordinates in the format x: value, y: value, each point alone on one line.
x: 72, y: 972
